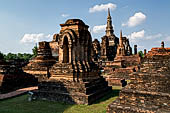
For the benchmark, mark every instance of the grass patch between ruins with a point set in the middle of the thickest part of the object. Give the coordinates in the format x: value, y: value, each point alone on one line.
x: 21, y: 105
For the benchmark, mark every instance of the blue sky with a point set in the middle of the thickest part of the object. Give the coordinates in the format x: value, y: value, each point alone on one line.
x: 25, y: 22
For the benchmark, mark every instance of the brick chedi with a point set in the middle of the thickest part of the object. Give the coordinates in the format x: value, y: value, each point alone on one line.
x: 39, y: 66
x: 123, y: 48
x: 124, y: 53
x: 74, y: 78
x: 109, y: 42
x: 149, y: 89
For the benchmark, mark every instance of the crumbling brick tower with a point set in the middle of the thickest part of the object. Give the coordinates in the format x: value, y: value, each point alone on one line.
x: 74, y: 78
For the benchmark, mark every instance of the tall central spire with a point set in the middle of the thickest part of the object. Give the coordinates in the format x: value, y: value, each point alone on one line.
x: 109, y: 27
x: 109, y: 13
x: 121, y: 40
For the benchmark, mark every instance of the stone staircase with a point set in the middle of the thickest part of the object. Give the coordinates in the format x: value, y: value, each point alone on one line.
x: 79, y: 92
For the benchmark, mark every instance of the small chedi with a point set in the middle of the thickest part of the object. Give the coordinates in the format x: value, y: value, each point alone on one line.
x: 39, y: 66
x: 149, y: 89
x: 74, y: 78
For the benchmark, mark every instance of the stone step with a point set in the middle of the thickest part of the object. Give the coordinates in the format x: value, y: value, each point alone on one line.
x: 73, y: 97
x: 87, y: 87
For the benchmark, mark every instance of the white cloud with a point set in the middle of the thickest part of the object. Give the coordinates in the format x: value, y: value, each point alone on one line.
x: 99, y: 29
x: 141, y: 47
x: 135, y: 20
x: 65, y: 15
x: 140, y: 35
x: 150, y: 37
x: 102, y: 7
x: 167, y: 39
x: 136, y: 35
x: 34, y: 38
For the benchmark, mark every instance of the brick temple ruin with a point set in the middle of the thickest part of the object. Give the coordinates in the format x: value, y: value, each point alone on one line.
x: 110, y: 47
x: 115, y: 55
x: 70, y: 63
x: 68, y: 70
x: 74, y: 78
x: 149, y: 89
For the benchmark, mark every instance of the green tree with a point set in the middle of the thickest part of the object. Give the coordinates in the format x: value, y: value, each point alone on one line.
x: 34, y: 50
x: 141, y: 54
x: 11, y: 56
x: 26, y: 56
x: 19, y: 56
x: 1, y: 56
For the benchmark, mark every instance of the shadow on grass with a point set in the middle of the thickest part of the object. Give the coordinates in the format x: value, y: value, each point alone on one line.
x: 113, y: 93
x: 21, y: 105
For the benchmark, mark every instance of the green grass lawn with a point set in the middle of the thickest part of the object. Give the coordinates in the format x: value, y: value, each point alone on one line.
x: 21, y: 105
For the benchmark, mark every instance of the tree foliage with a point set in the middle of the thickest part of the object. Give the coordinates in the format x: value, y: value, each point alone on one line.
x: 1, y: 56
x: 19, y: 56
x: 34, y: 50
x: 141, y: 54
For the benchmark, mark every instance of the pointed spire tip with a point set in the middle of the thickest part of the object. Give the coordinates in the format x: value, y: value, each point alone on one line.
x: 120, y: 33
x: 108, y: 12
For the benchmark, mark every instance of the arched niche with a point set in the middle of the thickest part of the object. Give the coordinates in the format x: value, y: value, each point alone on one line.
x: 66, y: 46
x: 65, y: 50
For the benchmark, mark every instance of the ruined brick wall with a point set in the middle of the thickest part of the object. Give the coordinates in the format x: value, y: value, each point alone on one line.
x: 149, y: 89
x: 12, y: 76
x: 131, y: 60
x: 120, y: 69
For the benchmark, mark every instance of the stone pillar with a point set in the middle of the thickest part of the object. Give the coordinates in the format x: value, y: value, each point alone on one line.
x: 162, y: 44
x: 60, y: 54
x: 85, y: 53
x: 73, y: 53
x: 135, y: 49
x: 82, y: 51
x: 144, y: 52
x: 78, y: 50
x: 70, y: 53
x: 123, y: 52
x: 105, y: 51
